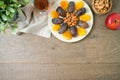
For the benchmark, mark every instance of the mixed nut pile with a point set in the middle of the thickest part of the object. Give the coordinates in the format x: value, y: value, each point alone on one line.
x: 102, y: 6
x: 69, y: 19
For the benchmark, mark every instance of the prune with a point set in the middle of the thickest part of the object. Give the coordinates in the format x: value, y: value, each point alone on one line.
x: 63, y: 28
x: 57, y: 20
x: 83, y: 24
x: 80, y: 12
x: 73, y: 31
x: 61, y: 11
x: 71, y: 7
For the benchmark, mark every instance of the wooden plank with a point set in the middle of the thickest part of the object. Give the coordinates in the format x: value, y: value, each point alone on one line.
x: 59, y: 71
x: 96, y: 48
x: 100, y: 46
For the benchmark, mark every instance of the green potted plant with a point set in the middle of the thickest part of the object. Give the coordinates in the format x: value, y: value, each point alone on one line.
x: 9, y: 9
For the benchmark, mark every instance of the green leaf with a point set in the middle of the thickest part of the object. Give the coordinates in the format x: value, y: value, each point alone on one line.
x: 4, y: 17
x: 7, y: 12
x: 1, y: 3
x: 14, y: 29
x: 15, y: 1
x: 2, y: 27
x: 11, y: 15
x: 11, y: 9
x: 12, y: 5
x: 26, y: 1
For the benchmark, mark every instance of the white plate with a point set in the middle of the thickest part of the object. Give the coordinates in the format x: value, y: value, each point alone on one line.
x: 74, y: 39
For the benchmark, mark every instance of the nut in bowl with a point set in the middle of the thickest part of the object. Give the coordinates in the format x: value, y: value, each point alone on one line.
x: 101, y: 6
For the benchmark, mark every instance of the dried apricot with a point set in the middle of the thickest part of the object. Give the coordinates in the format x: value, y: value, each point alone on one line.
x: 85, y: 17
x: 78, y: 5
x: 81, y: 31
x: 55, y: 27
x: 67, y: 35
x: 54, y: 14
x: 64, y: 4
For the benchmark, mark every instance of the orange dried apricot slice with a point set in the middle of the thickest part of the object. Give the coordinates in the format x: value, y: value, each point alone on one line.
x: 55, y: 27
x: 64, y: 4
x: 67, y: 35
x: 81, y: 31
x: 78, y: 5
x: 85, y: 17
x: 54, y: 14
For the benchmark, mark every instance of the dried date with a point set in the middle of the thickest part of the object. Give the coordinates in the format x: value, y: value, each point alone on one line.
x: 80, y: 12
x: 61, y: 11
x: 83, y: 24
x: 57, y: 20
x: 73, y: 31
x: 71, y: 7
x: 63, y: 28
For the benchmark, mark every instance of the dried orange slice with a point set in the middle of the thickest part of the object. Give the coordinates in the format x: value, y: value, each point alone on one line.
x: 55, y: 27
x: 67, y: 35
x: 81, y: 31
x: 85, y: 17
x: 78, y: 5
x: 64, y: 4
x: 54, y: 14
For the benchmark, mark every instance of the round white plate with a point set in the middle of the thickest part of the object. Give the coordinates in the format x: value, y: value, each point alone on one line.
x: 74, y: 39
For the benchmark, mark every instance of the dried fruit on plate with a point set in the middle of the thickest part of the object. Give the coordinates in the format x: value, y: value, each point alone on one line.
x: 71, y: 7
x: 67, y: 35
x: 54, y: 14
x: 71, y: 19
x: 83, y: 24
x: 84, y: 17
x: 64, y: 4
x: 81, y: 31
x: 63, y: 28
x: 80, y: 12
x: 73, y: 31
x: 61, y: 11
x: 78, y: 5
x: 57, y: 20
x: 55, y: 27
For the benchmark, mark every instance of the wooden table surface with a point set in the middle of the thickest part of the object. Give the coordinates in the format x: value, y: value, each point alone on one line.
x: 30, y: 57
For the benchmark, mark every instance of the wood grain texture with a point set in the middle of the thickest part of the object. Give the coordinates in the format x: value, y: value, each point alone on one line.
x: 60, y: 72
x: 30, y: 57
